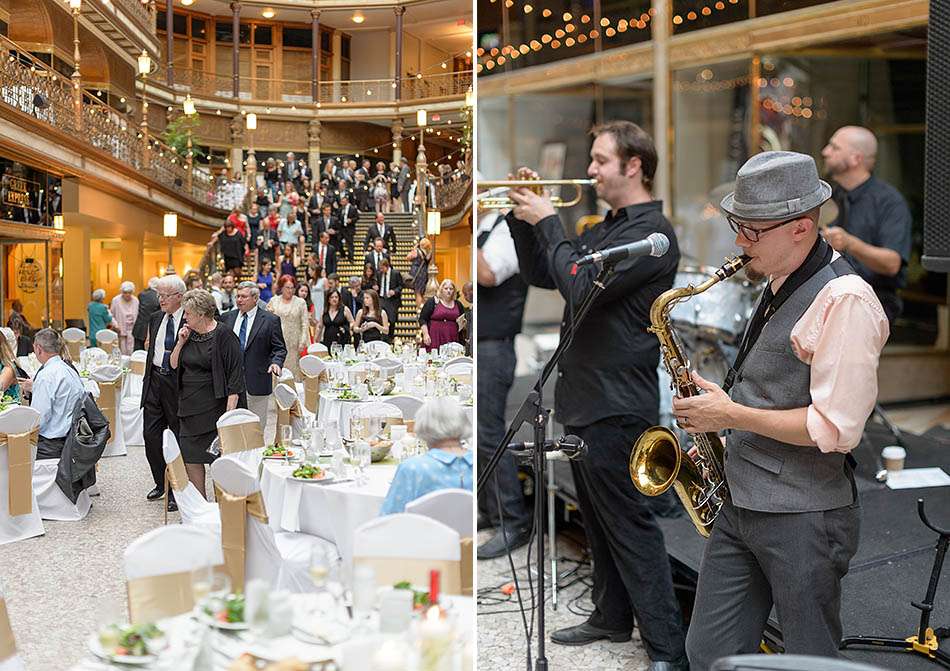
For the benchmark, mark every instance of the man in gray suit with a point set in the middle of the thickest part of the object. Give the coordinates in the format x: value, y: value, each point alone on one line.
x: 793, y: 406
x: 403, y: 181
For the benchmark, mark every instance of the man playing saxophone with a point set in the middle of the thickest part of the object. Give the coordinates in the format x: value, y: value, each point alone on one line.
x: 794, y: 405
x: 606, y: 389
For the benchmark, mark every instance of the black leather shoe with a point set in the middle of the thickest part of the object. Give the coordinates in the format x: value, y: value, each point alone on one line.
x: 495, y: 546
x: 171, y: 505
x: 585, y: 633
x: 155, y: 494
x: 681, y: 665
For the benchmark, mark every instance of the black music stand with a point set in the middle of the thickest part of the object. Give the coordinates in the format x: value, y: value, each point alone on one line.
x: 925, y: 641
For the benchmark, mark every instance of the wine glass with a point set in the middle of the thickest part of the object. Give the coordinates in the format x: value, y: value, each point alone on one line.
x: 336, y: 349
x: 364, y: 457
x: 201, y: 583
x: 319, y: 568
x: 364, y: 595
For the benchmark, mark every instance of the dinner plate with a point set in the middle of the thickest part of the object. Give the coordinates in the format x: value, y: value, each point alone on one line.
x: 202, y: 616
x: 132, y: 660
x: 291, y: 456
x: 327, y: 477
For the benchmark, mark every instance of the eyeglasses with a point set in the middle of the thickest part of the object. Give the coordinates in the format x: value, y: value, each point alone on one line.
x: 167, y: 296
x: 753, y: 234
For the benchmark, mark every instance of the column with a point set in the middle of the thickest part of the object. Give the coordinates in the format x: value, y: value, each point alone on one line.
x: 315, y: 55
x: 336, y: 67
x: 170, y: 41
x: 313, y: 148
x: 397, y: 75
x: 237, y: 145
x: 76, y: 257
x: 397, y: 140
x: 132, y: 251
x: 235, y: 50
x: 660, y: 26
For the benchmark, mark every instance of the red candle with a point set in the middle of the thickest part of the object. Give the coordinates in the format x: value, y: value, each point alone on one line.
x: 434, y: 576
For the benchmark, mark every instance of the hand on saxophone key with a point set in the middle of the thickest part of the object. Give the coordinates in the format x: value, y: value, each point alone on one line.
x: 705, y: 413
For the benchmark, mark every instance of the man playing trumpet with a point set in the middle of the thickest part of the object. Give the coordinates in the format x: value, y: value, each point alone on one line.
x: 606, y: 389
x: 795, y: 403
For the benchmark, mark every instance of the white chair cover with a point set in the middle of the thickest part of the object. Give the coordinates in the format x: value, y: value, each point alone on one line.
x: 388, y: 365
x: 311, y: 366
x: 133, y: 419
x: 263, y: 557
x: 459, y: 369
x: 317, y: 347
x: 285, y: 396
x: 194, y: 508
x: 381, y: 543
x: 460, y: 359
x: 452, y: 507
x: 107, y: 337
x: 17, y: 419
x: 14, y: 662
x: 408, y: 405
x: 52, y: 502
x: 250, y: 458
x: 379, y: 348
x: 286, y: 375
x: 106, y: 374
x: 170, y: 550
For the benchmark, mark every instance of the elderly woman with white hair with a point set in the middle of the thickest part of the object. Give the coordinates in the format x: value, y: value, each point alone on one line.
x: 442, y: 425
x: 99, y: 315
x: 125, y: 309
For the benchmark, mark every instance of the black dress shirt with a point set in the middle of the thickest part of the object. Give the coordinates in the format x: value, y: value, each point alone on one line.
x: 609, y: 370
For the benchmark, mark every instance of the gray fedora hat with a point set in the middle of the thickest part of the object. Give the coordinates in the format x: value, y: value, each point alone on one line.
x: 776, y: 185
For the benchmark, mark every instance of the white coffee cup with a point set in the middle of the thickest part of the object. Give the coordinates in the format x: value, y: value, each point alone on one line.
x: 893, y: 456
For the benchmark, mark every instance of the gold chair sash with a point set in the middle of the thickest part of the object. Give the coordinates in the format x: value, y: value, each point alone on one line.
x: 391, y: 570
x: 462, y: 378
x: 285, y: 416
x: 159, y: 596
x: 20, y: 470
x: 176, y: 477
x: 322, y: 355
x: 74, y: 347
x: 234, y: 512
x: 106, y: 347
x: 7, y: 642
x: 137, y: 367
x: 106, y: 403
x: 240, y: 437
x: 467, y: 572
x: 311, y: 391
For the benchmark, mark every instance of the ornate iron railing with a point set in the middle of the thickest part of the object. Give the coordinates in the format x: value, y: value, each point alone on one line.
x: 452, y: 192
x: 30, y: 86
x: 137, y: 9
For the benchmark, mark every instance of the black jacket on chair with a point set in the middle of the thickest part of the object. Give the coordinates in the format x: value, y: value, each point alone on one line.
x: 84, y: 445
x: 265, y: 345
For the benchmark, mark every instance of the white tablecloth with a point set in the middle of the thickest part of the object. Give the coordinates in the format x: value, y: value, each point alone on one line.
x: 332, y: 512
x: 185, y: 636
x: 332, y: 408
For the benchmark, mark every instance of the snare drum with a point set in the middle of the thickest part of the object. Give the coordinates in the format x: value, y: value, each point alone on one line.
x: 718, y: 314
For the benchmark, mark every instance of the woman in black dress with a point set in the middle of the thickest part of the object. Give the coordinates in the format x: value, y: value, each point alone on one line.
x: 210, y: 368
x: 337, y: 320
x: 371, y: 321
x: 369, y: 281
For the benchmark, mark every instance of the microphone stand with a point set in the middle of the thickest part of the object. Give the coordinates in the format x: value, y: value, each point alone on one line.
x: 532, y: 410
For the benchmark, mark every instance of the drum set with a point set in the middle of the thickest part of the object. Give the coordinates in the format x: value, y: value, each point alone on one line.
x: 709, y: 326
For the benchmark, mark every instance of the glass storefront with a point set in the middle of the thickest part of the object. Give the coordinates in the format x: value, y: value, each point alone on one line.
x: 28, y: 195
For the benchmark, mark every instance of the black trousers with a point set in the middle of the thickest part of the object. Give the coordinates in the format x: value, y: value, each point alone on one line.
x: 50, y: 448
x: 348, y: 233
x: 160, y: 412
x: 632, y: 579
x: 139, y: 343
x: 496, y: 373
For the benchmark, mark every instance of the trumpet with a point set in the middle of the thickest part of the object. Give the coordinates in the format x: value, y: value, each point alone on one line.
x: 494, y: 195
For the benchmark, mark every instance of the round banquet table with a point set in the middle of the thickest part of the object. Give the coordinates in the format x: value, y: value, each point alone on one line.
x: 340, y: 411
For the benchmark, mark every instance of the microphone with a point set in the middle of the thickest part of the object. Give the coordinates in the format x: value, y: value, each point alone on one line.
x: 656, y: 244
x: 568, y: 447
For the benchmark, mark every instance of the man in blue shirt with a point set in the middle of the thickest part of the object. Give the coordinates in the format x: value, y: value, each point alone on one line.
x: 873, y: 227
x: 56, y: 388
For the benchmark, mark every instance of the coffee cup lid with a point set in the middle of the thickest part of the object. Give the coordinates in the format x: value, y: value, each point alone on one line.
x: 893, y: 452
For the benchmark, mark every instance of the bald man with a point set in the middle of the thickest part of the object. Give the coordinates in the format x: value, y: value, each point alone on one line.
x: 874, y: 223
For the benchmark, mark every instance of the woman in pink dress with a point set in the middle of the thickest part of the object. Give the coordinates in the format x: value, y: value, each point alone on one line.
x: 125, y: 308
x: 439, y: 317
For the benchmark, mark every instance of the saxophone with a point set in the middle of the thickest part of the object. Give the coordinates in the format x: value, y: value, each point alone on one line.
x: 657, y: 461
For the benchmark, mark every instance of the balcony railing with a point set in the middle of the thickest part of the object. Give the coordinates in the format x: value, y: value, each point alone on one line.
x: 30, y: 86
x: 139, y: 10
x: 454, y: 189
x: 294, y: 91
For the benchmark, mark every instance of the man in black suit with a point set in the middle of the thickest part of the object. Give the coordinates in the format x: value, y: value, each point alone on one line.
x: 342, y: 191
x: 362, y: 196
x: 160, y: 384
x: 376, y: 254
x: 379, y: 229
x: 327, y: 222
x: 390, y: 291
x: 325, y: 253
x: 315, y: 204
x: 262, y: 340
x: 148, y: 305
x: 349, y: 216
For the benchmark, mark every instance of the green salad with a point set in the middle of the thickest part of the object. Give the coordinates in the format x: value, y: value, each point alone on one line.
x: 420, y: 600
x: 230, y: 610
x: 129, y: 640
x: 348, y: 395
x: 309, y: 472
x: 277, y: 451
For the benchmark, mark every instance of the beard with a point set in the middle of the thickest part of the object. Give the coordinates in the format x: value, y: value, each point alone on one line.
x: 753, y: 275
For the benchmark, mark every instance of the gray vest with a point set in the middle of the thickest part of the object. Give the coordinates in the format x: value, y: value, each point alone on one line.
x: 768, y: 475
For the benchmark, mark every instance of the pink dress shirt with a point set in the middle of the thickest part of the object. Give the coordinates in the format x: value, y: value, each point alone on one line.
x: 840, y: 336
